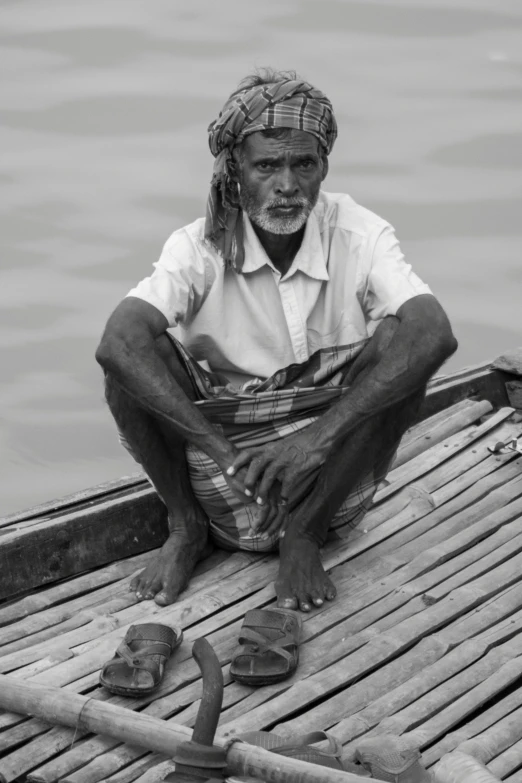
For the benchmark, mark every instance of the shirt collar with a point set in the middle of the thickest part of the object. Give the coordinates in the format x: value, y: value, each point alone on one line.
x: 309, y: 259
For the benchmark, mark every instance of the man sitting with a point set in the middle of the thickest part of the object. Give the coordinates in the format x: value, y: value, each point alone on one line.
x: 320, y: 340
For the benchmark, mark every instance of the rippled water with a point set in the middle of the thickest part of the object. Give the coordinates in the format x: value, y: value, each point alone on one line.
x: 104, y: 106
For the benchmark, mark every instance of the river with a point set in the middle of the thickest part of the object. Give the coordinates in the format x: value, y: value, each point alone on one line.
x: 103, y: 113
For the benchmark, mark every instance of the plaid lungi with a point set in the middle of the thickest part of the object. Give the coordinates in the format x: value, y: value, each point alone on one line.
x: 259, y: 412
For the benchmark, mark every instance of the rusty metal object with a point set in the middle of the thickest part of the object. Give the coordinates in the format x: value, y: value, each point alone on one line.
x: 198, y: 759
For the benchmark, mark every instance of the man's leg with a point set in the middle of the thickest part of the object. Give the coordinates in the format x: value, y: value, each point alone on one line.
x: 302, y: 581
x: 162, y: 454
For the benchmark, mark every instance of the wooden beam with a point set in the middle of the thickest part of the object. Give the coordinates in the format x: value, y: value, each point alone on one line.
x: 483, y: 383
x: 51, y: 549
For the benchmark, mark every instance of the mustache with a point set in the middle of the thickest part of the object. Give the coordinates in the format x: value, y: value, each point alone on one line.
x: 292, y: 202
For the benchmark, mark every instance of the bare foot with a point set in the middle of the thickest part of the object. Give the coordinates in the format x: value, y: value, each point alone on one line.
x: 169, y: 573
x: 302, y: 582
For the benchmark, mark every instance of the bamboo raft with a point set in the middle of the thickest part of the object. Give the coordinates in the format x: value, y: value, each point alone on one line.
x: 423, y: 641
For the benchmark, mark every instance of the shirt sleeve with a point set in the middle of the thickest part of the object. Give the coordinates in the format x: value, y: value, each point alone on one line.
x: 180, y: 282
x: 391, y: 281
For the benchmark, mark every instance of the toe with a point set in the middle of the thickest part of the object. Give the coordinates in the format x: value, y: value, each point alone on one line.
x: 135, y: 582
x: 330, y: 591
x: 305, y: 603
x: 287, y: 602
x: 165, y: 597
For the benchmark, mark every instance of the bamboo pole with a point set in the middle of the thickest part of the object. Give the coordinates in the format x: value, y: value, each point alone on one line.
x: 56, y: 705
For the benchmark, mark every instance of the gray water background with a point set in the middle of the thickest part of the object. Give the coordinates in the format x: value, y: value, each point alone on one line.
x: 103, y: 113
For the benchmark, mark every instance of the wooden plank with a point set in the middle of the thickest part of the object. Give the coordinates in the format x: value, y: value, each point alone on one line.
x: 438, y: 431
x: 388, y: 689
x: 496, y: 738
x: 380, y: 649
x: 64, y: 591
x: 495, y: 719
x: 440, y: 453
x: 473, y: 504
x: 508, y: 761
x: 482, y: 382
x: 114, y: 597
x: 449, y: 704
x: 423, y: 427
x: 79, y: 541
x: 78, y: 500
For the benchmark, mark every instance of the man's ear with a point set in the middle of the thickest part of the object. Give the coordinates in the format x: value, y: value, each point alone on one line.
x: 234, y: 165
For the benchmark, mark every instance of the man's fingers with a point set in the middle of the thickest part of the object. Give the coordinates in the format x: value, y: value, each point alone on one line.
x: 253, y: 473
x: 242, y: 459
x: 267, y: 481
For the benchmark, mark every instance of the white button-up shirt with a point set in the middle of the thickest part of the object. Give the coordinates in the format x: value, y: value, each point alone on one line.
x: 347, y: 275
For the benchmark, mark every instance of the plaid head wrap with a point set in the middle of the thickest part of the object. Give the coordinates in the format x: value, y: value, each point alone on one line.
x: 287, y: 104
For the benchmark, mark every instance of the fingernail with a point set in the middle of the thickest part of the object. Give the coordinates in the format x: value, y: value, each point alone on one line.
x: 230, y: 471
x: 248, y: 493
x: 318, y: 601
x: 259, y: 501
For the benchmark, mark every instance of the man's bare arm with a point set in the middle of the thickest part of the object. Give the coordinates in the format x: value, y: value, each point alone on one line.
x: 128, y: 351
x: 421, y: 343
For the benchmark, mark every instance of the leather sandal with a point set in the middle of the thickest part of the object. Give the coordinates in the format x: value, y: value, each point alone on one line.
x: 139, y: 662
x: 301, y: 748
x: 269, y: 649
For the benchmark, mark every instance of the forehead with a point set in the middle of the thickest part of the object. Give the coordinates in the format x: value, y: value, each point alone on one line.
x: 297, y: 142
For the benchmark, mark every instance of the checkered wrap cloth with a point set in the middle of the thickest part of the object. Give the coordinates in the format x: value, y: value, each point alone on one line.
x: 260, y: 412
x: 292, y: 103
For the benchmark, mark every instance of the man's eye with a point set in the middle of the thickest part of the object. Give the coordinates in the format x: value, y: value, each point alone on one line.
x: 307, y: 164
x: 264, y: 166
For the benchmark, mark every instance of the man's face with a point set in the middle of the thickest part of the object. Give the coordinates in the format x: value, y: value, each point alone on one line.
x: 280, y: 179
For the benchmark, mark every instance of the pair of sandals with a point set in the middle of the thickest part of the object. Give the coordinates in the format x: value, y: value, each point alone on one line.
x: 268, y: 653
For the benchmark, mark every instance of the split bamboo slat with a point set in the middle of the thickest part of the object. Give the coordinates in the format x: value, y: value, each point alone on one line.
x: 439, y: 561
x: 481, y: 735
x: 459, y: 767
x: 508, y: 761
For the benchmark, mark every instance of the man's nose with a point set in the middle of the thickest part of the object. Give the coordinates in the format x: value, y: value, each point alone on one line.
x: 287, y: 184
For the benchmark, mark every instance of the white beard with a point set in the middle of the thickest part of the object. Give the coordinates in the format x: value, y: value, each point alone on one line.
x: 279, y: 225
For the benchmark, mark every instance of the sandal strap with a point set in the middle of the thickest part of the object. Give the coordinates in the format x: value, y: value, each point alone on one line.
x: 250, y: 636
x: 139, y: 659
x: 303, y: 741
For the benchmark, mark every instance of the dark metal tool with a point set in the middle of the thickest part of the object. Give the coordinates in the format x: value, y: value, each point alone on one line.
x: 198, y: 759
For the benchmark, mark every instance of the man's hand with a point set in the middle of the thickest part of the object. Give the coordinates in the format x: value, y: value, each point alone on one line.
x: 284, y: 466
